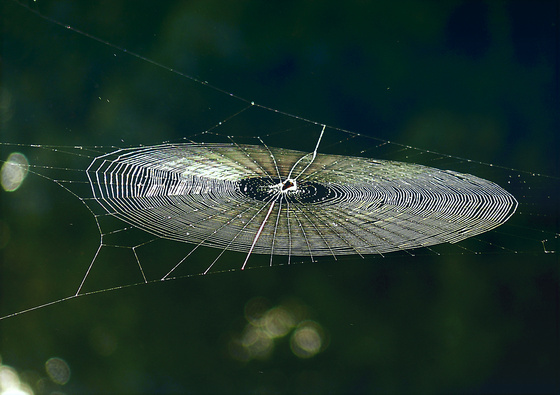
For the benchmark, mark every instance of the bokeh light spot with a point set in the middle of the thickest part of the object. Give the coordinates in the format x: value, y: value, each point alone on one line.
x: 258, y: 344
x: 265, y: 325
x: 255, y: 309
x: 14, y: 171
x: 277, y: 322
x: 11, y: 384
x: 58, y: 370
x: 307, y: 340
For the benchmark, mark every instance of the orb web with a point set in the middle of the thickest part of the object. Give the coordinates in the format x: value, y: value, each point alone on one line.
x: 216, y: 195
x: 377, y: 198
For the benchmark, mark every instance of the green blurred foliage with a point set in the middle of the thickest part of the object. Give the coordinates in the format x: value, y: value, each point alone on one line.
x: 473, y: 79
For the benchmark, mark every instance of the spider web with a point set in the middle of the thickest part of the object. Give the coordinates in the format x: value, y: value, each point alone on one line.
x: 220, y: 117
x: 127, y: 224
x: 215, y: 195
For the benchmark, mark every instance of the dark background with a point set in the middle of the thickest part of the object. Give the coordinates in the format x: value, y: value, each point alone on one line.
x: 472, y: 79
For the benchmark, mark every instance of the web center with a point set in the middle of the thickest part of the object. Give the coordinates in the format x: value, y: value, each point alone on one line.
x: 290, y: 185
x: 287, y: 186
